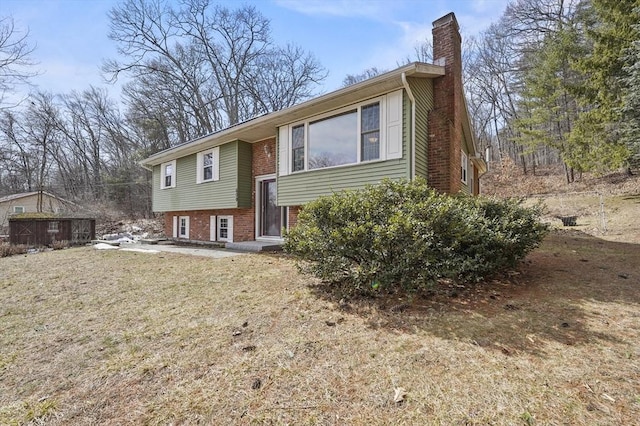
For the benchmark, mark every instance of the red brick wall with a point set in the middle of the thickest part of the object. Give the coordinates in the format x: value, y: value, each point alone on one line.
x: 445, y: 121
x: 263, y: 163
x: 199, y: 229
x: 264, y: 158
x: 292, y: 218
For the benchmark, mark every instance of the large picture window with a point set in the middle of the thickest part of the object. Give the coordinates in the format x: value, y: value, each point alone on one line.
x: 348, y: 137
x: 371, y: 130
x: 332, y: 141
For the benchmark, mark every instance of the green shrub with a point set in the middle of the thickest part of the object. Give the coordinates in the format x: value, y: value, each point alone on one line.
x: 401, y: 234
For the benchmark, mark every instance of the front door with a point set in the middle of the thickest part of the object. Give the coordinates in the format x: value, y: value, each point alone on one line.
x: 271, y: 216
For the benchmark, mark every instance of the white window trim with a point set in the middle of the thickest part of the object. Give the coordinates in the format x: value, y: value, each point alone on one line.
x: 18, y: 207
x: 229, y: 238
x: 186, y: 233
x: 258, y: 180
x: 173, y: 174
x: 389, y: 123
x: 215, y: 174
x: 464, y: 167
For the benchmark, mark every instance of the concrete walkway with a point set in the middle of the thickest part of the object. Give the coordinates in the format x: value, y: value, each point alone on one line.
x: 195, y: 251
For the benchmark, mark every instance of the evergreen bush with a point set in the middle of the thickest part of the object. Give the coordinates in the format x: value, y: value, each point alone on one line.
x: 401, y: 234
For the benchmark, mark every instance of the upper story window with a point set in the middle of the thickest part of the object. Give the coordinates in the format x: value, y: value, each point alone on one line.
x: 464, y: 165
x: 208, y: 163
x: 367, y: 131
x: 168, y: 175
x: 18, y: 209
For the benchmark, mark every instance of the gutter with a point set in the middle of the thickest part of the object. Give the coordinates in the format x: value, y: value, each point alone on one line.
x: 413, y: 125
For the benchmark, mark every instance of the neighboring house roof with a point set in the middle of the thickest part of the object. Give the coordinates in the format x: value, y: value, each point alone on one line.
x: 13, y: 197
x: 264, y: 126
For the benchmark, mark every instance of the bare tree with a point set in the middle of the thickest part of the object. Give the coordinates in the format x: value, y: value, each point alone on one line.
x: 15, y: 58
x: 29, y: 139
x: 364, y: 75
x: 202, y: 67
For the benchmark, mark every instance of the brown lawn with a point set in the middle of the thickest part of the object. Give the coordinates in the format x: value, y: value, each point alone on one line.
x: 103, y: 337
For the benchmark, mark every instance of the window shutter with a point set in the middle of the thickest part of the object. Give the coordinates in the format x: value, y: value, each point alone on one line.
x: 175, y: 227
x: 283, y: 151
x: 213, y: 227
x: 394, y: 124
x: 230, y: 235
x: 186, y: 234
x: 199, y: 165
x: 216, y: 163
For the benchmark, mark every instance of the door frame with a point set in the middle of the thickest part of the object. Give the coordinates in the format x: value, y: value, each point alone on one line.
x: 258, y: 208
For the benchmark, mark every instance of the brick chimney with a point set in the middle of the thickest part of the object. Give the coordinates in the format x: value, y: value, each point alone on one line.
x: 445, y: 120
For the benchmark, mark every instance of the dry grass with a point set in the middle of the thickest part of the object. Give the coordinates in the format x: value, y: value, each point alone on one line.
x: 104, y: 337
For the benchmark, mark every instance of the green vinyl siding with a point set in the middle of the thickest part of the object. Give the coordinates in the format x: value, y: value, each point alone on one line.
x: 422, y: 90
x: 303, y: 187
x: 232, y: 190
x: 406, y: 133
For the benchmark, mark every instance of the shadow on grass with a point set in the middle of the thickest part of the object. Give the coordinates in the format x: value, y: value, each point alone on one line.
x: 556, y: 295
x: 635, y: 198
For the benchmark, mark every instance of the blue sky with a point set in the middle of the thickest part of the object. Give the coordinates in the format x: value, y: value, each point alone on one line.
x: 346, y: 36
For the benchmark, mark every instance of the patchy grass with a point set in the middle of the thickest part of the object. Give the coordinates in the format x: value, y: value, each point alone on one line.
x: 612, y: 217
x: 113, y: 337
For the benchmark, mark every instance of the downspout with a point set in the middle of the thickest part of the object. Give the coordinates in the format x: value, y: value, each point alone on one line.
x: 413, y: 125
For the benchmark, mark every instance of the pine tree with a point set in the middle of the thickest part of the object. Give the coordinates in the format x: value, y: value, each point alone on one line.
x: 611, y: 28
x: 631, y: 101
x: 548, y: 109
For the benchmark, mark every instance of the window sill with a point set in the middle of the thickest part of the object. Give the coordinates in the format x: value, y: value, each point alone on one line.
x: 341, y: 166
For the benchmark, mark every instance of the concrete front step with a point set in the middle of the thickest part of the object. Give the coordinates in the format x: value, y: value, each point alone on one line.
x: 255, y: 246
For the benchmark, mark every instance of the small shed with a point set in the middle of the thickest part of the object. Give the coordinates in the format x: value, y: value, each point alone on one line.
x: 32, y: 202
x: 45, y: 229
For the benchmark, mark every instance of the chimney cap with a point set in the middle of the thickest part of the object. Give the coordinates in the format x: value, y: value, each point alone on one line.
x: 445, y: 20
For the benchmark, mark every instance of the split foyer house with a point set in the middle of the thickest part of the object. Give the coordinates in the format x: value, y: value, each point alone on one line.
x: 249, y: 181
